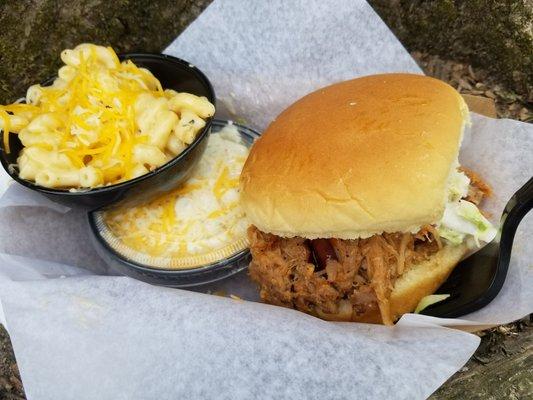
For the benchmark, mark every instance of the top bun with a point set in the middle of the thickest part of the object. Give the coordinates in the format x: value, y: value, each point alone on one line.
x: 356, y: 158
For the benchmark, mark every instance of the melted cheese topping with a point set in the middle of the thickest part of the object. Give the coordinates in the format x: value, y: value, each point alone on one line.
x: 197, y: 223
x: 111, y: 117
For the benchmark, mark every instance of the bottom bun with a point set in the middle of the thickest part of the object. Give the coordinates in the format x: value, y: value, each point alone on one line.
x: 421, y: 280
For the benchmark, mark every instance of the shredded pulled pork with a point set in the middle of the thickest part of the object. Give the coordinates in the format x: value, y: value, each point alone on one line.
x: 362, y: 276
x: 354, y: 284
x: 478, y: 188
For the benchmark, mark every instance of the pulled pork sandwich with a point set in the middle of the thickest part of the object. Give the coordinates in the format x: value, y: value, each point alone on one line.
x: 358, y: 203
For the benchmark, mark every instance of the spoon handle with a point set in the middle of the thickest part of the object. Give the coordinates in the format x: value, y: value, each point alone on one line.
x: 518, y: 206
x: 516, y: 209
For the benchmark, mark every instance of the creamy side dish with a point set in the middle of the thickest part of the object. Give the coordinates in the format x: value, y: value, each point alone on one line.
x: 199, y: 222
x: 102, y: 121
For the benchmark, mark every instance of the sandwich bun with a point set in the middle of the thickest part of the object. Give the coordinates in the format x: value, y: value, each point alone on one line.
x: 356, y: 158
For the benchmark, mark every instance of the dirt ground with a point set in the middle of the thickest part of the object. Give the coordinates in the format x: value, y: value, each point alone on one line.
x: 504, y: 351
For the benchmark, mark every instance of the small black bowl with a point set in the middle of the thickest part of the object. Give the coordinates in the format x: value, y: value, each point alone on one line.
x: 212, y: 272
x: 173, y: 73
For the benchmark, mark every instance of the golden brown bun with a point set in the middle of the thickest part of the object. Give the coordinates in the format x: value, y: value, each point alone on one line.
x: 421, y: 280
x: 356, y: 158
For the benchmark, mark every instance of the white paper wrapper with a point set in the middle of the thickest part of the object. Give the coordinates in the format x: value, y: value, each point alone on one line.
x: 17, y: 195
x: 80, y: 334
x: 264, y: 55
x: 128, y: 340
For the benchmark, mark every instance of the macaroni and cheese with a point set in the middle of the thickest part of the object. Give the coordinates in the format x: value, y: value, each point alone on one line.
x: 197, y: 223
x: 101, y: 122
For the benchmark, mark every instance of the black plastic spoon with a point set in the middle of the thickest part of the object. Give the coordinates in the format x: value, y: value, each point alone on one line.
x: 477, y: 279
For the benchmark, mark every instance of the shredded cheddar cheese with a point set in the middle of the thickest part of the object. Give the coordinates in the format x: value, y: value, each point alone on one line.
x: 198, y: 221
x: 101, y: 113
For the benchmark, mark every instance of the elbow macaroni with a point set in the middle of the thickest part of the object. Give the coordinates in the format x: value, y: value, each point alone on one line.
x: 188, y: 125
x: 101, y: 55
x: 41, y: 131
x: 147, y: 154
x: 101, y: 122
x: 154, y: 118
x: 58, y: 178
x: 175, y: 145
x: 186, y: 101
x: 91, y: 177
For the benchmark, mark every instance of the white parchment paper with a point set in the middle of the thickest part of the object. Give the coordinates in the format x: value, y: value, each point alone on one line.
x: 81, y: 334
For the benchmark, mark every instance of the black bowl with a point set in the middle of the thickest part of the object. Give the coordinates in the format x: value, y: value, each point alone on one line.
x: 212, y: 272
x: 173, y: 73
